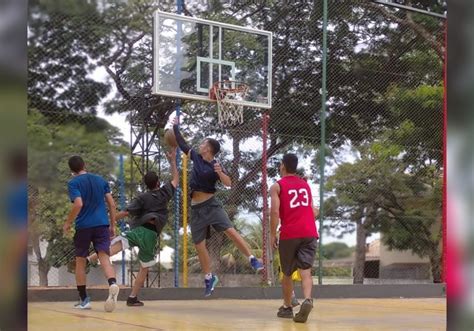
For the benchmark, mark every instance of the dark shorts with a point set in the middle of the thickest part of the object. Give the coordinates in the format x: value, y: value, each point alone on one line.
x: 99, y: 237
x: 206, y: 214
x: 297, y: 254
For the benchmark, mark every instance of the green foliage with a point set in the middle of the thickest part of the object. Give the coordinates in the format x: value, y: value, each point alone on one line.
x: 396, y: 185
x: 59, y: 62
x: 337, y: 250
x: 419, y: 113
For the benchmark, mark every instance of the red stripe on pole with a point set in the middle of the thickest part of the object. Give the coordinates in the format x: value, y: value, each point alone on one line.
x: 265, y: 198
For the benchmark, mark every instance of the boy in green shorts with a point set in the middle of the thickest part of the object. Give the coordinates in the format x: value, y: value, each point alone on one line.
x: 150, y: 214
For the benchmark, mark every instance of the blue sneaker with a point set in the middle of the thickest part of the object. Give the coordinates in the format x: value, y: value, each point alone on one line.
x: 256, y: 264
x: 86, y: 304
x: 210, y: 285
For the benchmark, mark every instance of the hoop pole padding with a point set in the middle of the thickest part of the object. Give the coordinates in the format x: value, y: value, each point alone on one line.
x: 185, y: 220
x: 265, y: 200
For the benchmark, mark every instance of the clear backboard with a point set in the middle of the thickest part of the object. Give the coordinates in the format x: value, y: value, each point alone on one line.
x: 191, y: 54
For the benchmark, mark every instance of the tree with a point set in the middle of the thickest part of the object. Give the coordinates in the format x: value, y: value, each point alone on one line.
x: 59, y: 62
x: 416, y: 226
x: 120, y: 35
x: 370, y: 46
x: 360, y: 189
x: 378, y: 194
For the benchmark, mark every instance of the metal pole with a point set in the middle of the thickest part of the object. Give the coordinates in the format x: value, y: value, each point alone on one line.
x: 265, y: 200
x: 323, y: 140
x: 445, y: 122
x: 185, y: 220
x: 178, y: 159
x: 122, y: 207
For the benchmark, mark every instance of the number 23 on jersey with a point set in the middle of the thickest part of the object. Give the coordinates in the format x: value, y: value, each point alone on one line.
x: 298, y: 198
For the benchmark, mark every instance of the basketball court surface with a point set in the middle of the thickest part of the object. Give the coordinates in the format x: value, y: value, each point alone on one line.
x: 328, y: 314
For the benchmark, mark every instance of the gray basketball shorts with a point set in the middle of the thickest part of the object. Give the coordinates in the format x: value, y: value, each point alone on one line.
x: 206, y: 214
x: 297, y: 254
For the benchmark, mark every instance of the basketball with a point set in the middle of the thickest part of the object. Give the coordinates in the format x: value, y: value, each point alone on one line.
x: 170, y: 138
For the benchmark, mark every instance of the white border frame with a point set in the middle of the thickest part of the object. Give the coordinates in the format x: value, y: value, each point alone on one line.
x: 200, y: 59
x: 156, y: 38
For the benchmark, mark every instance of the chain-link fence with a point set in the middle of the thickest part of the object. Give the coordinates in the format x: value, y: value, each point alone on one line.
x: 383, y: 150
x: 385, y: 141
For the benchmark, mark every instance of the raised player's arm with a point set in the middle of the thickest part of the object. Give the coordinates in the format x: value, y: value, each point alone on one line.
x: 274, y: 209
x: 171, y: 156
x: 183, y: 145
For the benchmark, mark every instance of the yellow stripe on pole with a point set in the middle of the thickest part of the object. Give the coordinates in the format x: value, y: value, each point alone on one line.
x: 185, y: 220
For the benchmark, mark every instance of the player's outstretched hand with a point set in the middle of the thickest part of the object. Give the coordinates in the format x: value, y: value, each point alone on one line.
x: 176, y: 120
x: 171, y: 155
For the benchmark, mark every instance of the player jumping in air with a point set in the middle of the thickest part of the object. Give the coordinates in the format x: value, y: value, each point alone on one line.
x: 206, y: 210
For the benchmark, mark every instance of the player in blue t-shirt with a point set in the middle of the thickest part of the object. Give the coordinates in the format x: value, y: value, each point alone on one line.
x: 206, y: 210
x: 89, y: 193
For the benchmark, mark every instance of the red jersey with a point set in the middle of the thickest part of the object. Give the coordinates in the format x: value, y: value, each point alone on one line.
x: 296, y: 209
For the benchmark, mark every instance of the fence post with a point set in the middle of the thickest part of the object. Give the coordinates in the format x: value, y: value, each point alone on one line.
x: 445, y: 157
x: 122, y: 207
x: 185, y: 220
x: 265, y: 245
x: 323, y: 140
x: 179, y: 4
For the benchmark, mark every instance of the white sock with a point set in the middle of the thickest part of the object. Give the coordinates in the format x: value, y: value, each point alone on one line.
x: 251, y: 257
x: 208, y: 276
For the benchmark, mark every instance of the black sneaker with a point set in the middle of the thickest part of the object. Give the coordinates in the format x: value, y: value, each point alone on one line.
x: 285, y: 312
x: 305, y: 309
x: 134, y: 302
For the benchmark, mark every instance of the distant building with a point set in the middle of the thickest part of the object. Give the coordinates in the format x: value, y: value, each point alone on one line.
x: 383, y: 263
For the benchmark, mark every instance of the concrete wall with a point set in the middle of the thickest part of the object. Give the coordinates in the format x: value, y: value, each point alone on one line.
x: 61, y: 277
x: 197, y: 280
x: 388, y: 257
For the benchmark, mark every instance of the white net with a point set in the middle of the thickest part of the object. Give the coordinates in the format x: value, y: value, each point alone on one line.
x: 230, y: 113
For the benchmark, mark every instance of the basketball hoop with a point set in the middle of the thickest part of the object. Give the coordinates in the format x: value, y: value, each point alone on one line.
x: 225, y: 92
